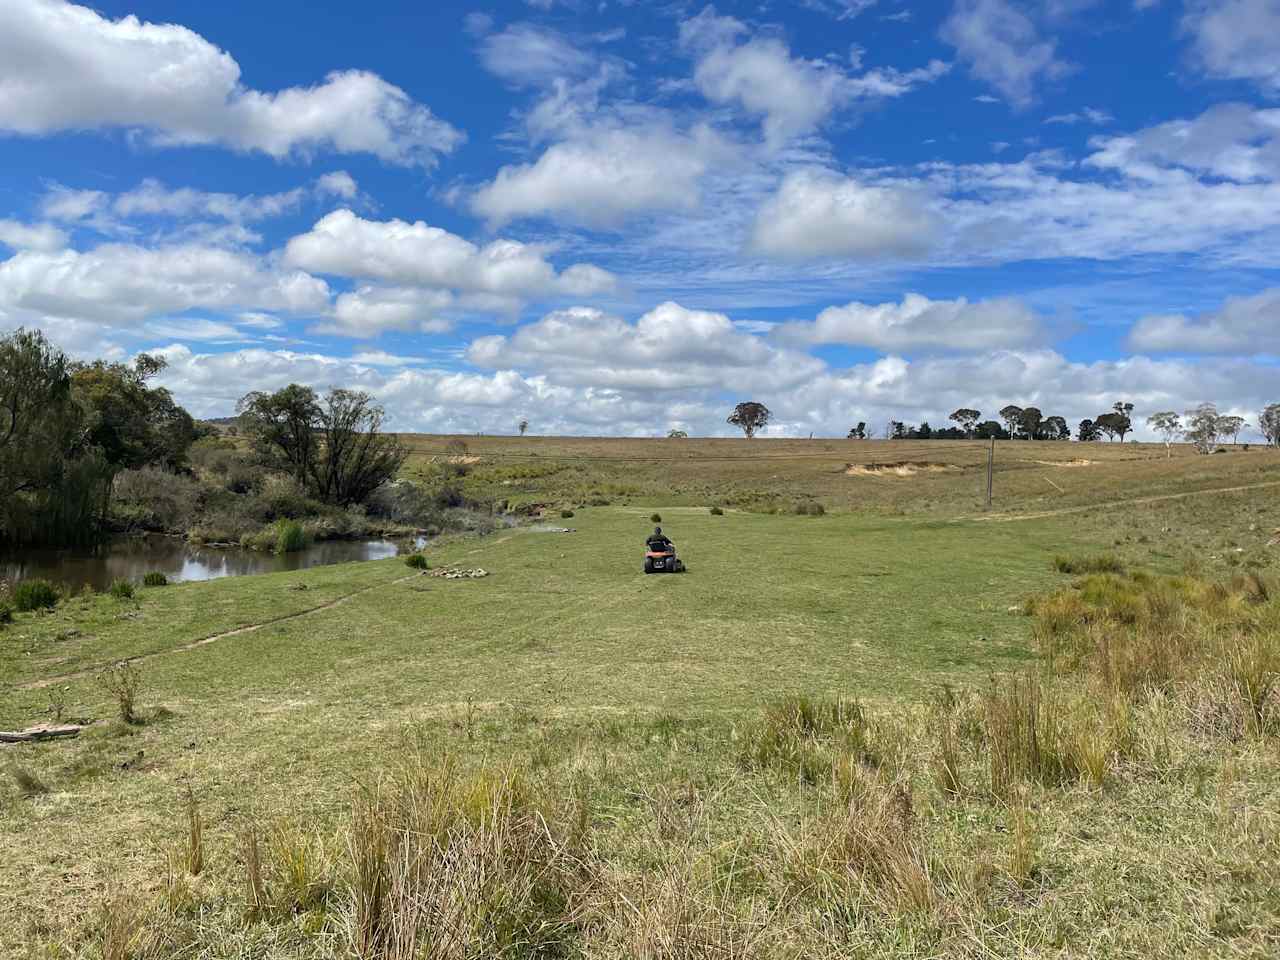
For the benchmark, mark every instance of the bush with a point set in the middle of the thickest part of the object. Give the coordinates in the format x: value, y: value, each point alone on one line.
x: 155, y: 579
x: 121, y: 589
x: 814, y: 509
x: 1102, y: 563
x: 717, y: 512
x: 121, y: 682
x: 416, y: 560
x: 566, y: 514
x: 35, y: 595
x: 656, y: 518
x: 290, y: 537
x: 6, y: 612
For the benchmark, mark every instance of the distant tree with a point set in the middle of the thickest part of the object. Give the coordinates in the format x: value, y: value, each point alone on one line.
x: 899, y: 429
x: 1269, y: 424
x: 990, y: 430
x: 1029, y: 423
x: 859, y: 432
x: 1012, y: 417
x: 677, y: 435
x: 924, y: 431
x: 1124, y: 411
x: 333, y: 445
x: 1088, y: 431
x: 1202, y: 427
x: 523, y: 425
x: 1113, y: 425
x: 282, y: 428
x: 1230, y: 426
x: 1055, y: 428
x: 750, y: 417
x: 1169, y: 425
x: 967, y: 419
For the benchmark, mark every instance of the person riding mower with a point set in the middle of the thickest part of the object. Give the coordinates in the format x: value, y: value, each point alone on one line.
x: 660, y: 554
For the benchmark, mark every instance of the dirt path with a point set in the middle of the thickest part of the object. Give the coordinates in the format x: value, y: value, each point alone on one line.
x: 1064, y: 511
x: 214, y: 637
x: 247, y: 628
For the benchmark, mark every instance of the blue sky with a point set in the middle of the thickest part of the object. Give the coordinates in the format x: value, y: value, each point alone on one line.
x: 622, y: 217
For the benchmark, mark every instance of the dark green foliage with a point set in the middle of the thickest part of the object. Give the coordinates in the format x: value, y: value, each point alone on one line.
x: 6, y: 611
x: 416, y: 561
x: 155, y: 579
x: 35, y: 595
x: 121, y: 589
x: 566, y: 514
x: 1100, y: 563
x: 331, y: 446
x: 655, y: 518
x: 810, y: 509
x: 717, y: 512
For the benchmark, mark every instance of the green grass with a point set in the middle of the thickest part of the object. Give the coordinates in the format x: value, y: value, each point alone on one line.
x: 708, y: 738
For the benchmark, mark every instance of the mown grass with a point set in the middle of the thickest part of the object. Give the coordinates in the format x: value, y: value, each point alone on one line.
x: 860, y: 748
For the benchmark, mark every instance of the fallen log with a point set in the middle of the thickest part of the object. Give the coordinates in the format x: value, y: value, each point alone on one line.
x: 44, y: 731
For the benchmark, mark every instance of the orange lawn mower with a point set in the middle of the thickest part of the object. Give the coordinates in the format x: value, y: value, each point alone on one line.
x: 660, y: 555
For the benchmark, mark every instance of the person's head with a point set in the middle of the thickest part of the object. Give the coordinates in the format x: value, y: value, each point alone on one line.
x: 657, y: 531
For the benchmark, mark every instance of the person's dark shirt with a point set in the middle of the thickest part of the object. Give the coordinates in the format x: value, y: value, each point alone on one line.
x: 657, y: 543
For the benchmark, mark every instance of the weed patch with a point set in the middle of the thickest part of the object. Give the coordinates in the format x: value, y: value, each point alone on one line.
x: 31, y: 595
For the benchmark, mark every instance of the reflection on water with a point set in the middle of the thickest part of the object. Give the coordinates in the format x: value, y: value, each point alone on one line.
x: 132, y: 557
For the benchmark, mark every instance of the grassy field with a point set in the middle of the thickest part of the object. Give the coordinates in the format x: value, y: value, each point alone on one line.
x: 797, y: 749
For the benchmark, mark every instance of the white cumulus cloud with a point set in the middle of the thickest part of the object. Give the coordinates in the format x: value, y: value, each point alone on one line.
x: 815, y: 213
x: 1002, y: 47
x: 66, y: 67
x: 920, y: 323
x: 1243, y: 325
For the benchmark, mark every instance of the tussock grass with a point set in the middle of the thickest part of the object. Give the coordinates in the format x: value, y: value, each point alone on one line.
x: 416, y: 561
x: 155, y: 579
x: 35, y: 594
x: 1097, y: 563
x: 808, y: 739
x: 290, y: 536
x: 121, y: 589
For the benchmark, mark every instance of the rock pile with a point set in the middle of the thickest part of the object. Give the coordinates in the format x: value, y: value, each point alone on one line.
x: 456, y: 573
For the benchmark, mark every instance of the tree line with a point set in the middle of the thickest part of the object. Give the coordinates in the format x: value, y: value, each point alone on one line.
x: 69, y: 429
x: 1204, y: 426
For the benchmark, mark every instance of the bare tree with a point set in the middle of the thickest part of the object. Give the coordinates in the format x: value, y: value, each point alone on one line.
x: 1169, y: 425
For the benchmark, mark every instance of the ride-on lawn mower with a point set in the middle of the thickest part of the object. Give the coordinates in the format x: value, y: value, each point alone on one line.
x: 662, y: 560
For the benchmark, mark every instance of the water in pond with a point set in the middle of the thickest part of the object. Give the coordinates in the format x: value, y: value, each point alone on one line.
x: 132, y: 557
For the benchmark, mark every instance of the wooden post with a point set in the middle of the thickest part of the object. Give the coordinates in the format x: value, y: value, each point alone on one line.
x: 991, y: 460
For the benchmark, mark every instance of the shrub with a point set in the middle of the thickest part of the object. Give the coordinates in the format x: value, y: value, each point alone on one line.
x: 6, y: 611
x: 1101, y: 563
x: 155, y: 579
x: 416, y: 561
x: 121, y: 681
x: 121, y: 589
x: 35, y: 595
x: 717, y: 512
x: 566, y: 514
x: 290, y: 537
x: 655, y: 518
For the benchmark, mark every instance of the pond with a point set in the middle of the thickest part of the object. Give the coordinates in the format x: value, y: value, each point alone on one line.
x: 132, y: 557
